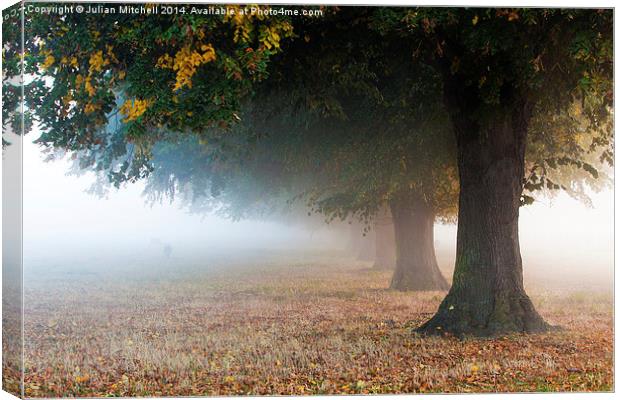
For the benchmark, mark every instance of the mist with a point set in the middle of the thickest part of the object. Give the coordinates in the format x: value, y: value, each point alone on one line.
x: 68, y: 230
x: 564, y: 243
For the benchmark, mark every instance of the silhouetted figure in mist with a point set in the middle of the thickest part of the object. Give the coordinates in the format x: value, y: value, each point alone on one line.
x: 167, y: 251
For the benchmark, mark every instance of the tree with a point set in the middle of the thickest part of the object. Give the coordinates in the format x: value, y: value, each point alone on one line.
x: 376, y: 141
x: 499, y: 70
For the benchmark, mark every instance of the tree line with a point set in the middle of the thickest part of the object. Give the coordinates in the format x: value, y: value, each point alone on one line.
x: 365, y: 115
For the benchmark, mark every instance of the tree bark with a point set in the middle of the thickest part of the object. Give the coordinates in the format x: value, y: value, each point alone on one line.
x: 487, y: 296
x: 385, y: 242
x: 416, y: 263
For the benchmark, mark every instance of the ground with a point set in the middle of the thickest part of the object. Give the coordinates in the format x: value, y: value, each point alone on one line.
x: 277, y: 326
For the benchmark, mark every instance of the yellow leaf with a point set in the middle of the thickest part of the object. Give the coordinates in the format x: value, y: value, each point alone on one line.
x: 48, y: 62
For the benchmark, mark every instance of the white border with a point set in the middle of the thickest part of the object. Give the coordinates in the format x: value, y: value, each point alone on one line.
x: 471, y: 3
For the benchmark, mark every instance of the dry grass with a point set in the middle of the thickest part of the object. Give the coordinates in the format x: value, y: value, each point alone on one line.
x: 291, y: 328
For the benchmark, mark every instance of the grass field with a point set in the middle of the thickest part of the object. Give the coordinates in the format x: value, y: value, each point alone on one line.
x: 280, y: 327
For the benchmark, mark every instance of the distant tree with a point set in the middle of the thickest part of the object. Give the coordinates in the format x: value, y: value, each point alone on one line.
x: 366, y: 136
x: 385, y: 240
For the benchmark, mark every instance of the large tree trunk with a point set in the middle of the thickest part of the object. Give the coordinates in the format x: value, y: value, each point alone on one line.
x: 487, y: 295
x: 385, y: 241
x: 416, y: 264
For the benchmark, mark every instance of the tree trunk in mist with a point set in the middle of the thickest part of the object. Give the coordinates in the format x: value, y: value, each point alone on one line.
x: 416, y: 264
x: 361, y: 246
x: 355, y: 239
x: 487, y: 295
x: 385, y: 241
x: 367, y: 247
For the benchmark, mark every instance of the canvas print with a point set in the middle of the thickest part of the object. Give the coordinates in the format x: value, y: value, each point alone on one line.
x: 221, y: 200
